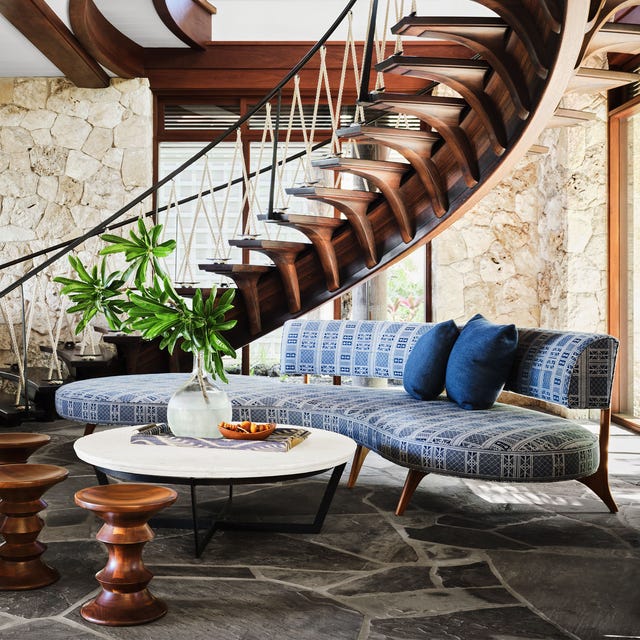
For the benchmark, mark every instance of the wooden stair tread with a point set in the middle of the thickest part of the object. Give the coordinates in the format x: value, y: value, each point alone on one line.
x: 519, y: 18
x: 359, y: 164
x: 466, y: 77
x: 427, y: 26
x: 354, y: 195
x: 319, y: 229
x: 422, y: 140
x: 442, y: 114
x: 386, y: 176
x: 462, y: 69
x: 486, y: 37
x: 283, y: 254
x: 570, y: 118
x: 224, y: 268
x: 354, y: 205
x: 268, y: 245
x: 302, y: 220
x: 416, y: 147
x: 618, y: 37
x: 594, y: 80
x: 446, y: 109
x: 246, y: 277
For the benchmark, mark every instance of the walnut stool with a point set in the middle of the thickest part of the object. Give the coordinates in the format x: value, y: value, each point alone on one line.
x: 21, y: 490
x: 125, y: 509
x: 17, y: 447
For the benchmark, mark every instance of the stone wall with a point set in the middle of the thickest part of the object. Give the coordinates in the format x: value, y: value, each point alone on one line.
x: 69, y: 158
x: 534, y: 250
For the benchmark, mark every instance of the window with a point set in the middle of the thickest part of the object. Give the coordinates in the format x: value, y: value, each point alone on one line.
x: 625, y: 258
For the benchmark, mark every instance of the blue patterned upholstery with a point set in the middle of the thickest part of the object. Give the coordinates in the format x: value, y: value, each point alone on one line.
x: 502, y: 443
x: 348, y: 348
x: 571, y: 369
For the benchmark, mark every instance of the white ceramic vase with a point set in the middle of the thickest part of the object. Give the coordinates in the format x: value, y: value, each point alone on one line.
x: 198, y: 406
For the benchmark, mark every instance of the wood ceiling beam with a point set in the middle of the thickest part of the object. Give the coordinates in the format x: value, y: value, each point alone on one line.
x: 188, y: 20
x: 256, y: 67
x: 109, y: 46
x: 44, y: 29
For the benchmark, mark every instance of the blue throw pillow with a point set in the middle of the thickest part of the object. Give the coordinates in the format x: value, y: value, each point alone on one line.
x: 480, y: 362
x: 425, y: 368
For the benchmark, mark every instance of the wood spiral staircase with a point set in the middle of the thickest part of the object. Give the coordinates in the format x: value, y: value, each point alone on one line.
x: 521, y: 64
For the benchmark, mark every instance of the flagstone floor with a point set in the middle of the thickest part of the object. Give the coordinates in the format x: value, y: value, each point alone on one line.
x: 469, y: 560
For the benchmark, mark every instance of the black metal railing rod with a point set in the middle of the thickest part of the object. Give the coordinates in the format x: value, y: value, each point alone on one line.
x: 153, y: 212
x: 25, y: 378
x: 368, y: 54
x: 100, y: 228
x: 274, y: 157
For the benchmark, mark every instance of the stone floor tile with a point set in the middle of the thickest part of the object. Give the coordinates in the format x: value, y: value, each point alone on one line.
x: 470, y: 538
x: 406, y: 578
x: 562, y: 532
x: 593, y: 597
x: 47, y: 630
x: 507, y: 623
x: 318, y: 579
x: 476, y: 574
x: 241, y: 610
x: 77, y: 562
x: 369, y: 536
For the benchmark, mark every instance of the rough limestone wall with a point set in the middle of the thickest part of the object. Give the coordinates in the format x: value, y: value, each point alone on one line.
x: 534, y: 250
x: 69, y: 158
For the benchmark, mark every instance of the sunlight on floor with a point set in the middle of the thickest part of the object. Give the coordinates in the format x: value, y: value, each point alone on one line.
x: 502, y: 493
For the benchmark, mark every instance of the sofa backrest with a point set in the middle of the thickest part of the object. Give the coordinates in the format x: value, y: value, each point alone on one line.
x: 568, y: 368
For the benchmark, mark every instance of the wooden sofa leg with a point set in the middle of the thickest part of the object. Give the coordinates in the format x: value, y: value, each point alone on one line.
x: 356, y: 465
x: 89, y: 428
x: 410, y: 484
x: 598, y: 482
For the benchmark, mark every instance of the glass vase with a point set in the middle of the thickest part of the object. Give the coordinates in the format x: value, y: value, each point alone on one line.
x: 198, y: 406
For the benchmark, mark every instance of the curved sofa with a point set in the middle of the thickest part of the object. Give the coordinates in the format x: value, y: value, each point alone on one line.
x: 504, y: 443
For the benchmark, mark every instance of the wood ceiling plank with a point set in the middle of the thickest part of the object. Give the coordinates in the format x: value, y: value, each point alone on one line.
x: 44, y: 29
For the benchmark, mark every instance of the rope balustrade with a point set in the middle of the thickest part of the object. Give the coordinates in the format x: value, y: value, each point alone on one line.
x: 213, y: 214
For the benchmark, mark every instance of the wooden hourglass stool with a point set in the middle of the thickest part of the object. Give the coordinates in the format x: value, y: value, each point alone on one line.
x: 125, y: 509
x: 17, y: 447
x: 21, y: 490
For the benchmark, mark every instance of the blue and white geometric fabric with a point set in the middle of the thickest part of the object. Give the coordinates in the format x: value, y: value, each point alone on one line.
x: 568, y: 368
x: 137, y: 399
x: 572, y: 369
x: 502, y: 443
x: 367, y: 348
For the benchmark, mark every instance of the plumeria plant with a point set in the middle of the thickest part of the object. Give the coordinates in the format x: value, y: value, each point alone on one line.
x: 142, y: 298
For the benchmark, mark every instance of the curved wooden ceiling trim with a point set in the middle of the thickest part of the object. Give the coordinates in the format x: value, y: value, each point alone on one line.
x: 41, y: 25
x: 110, y: 47
x: 189, y: 20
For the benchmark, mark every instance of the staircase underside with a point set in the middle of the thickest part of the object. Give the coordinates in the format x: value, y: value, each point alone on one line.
x: 484, y: 115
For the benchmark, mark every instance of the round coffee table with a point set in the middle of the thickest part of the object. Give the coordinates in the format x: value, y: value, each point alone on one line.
x: 112, y: 454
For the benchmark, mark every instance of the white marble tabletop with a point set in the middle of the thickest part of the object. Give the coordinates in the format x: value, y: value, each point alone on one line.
x: 112, y: 450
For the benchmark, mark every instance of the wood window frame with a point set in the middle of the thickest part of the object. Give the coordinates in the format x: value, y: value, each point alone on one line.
x: 616, y: 323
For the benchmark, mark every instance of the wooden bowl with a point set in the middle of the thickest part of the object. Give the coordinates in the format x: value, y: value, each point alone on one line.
x: 236, y: 434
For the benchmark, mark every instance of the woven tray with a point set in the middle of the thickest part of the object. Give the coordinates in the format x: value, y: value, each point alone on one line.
x: 282, y: 439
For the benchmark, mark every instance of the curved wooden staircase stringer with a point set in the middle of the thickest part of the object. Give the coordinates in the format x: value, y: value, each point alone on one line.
x: 459, y: 151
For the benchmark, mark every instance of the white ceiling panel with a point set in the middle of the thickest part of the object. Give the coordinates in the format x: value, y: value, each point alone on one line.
x: 236, y: 20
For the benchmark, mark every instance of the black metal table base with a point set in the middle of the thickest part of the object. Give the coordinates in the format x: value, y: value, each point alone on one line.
x: 204, y: 528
